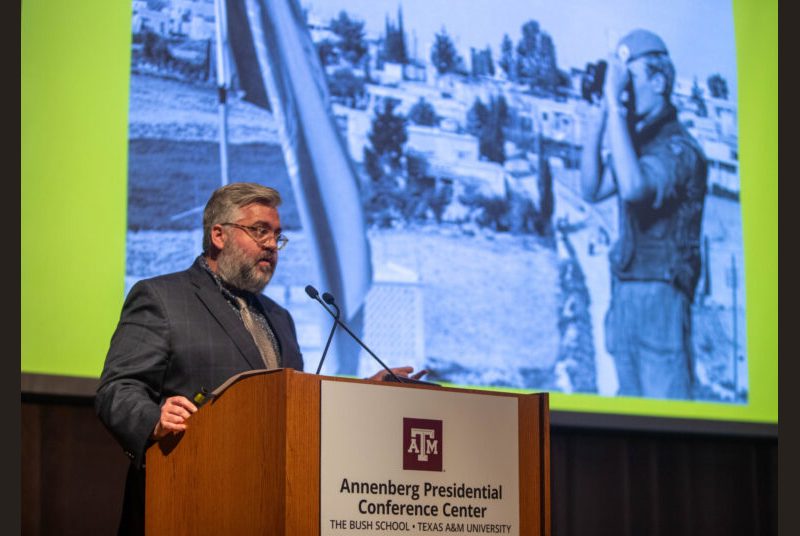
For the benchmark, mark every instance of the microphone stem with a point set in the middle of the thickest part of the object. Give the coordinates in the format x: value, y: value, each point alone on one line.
x: 365, y: 347
x: 327, y: 344
x: 312, y: 292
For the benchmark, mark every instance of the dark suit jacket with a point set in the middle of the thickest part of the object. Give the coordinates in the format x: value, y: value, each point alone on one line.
x: 176, y: 335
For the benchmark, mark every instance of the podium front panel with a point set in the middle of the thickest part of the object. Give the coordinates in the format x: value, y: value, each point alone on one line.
x: 413, y: 461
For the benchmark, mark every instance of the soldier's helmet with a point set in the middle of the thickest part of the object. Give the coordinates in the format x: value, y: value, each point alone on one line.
x: 639, y: 43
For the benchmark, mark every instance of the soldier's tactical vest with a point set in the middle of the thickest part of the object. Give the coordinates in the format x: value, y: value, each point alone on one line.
x: 663, y: 243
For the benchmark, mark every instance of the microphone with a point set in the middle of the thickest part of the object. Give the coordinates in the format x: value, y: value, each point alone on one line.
x: 311, y: 291
x: 327, y: 299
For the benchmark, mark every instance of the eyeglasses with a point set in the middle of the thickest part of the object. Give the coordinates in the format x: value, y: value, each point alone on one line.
x: 261, y: 234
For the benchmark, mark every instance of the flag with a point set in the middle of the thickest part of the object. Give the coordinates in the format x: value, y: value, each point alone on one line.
x: 279, y: 69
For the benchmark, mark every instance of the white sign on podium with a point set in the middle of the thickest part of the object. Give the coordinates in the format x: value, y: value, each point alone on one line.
x: 417, y: 461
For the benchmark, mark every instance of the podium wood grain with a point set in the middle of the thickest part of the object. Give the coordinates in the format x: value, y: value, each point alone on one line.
x: 249, y: 463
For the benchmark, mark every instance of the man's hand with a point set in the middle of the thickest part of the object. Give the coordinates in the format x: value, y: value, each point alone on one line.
x: 617, y: 76
x: 174, y: 414
x: 595, y: 181
x: 592, y: 119
x: 400, y: 372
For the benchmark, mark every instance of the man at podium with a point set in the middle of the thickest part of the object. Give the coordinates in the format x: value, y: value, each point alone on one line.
x: 184, y: 332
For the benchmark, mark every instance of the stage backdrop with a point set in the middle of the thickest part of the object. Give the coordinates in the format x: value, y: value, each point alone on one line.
x: 433, y: 190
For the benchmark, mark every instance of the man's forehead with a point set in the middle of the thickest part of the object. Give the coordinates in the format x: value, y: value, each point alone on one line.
x: 260, y: 211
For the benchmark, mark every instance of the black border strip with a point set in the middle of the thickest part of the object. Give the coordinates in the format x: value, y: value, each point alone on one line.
x: 56, y: 385
x: 608, y: 421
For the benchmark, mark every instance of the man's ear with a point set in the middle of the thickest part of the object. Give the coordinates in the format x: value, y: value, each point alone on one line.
x: 659, y: 82
x: 218, y: 237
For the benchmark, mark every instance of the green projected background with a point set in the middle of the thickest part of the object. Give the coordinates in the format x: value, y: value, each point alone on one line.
x: 74, y: 104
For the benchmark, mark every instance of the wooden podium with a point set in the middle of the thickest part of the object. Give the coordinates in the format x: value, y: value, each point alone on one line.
x: 249, y: 462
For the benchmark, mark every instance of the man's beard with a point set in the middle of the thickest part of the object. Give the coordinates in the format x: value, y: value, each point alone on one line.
x: 240, y: 271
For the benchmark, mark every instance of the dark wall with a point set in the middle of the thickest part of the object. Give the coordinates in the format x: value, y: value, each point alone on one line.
x: 635, y: 483
x: 603, y: 482
x: 73, y: 472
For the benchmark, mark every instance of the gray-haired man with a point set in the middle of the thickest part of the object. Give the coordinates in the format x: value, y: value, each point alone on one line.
x: 189, y: 330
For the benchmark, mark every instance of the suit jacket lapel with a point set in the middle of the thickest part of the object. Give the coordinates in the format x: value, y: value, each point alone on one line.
x: 219, y: 308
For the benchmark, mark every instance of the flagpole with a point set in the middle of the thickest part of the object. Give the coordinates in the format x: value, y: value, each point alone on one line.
x: 223, y: 75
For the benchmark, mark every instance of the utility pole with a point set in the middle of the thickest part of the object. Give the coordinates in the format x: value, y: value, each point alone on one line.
x: 735, y: 313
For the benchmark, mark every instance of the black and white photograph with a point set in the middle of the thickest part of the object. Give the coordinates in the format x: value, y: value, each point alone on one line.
x: 526, y: 195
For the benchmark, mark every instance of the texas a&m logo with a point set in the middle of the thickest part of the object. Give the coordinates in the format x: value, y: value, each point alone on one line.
x: 422, y: 444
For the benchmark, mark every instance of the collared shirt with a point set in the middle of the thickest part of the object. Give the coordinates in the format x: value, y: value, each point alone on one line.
x: 230, y: 294
x: 660, y: 237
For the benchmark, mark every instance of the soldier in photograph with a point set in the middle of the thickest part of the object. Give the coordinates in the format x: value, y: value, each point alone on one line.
x: 635, y: 148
